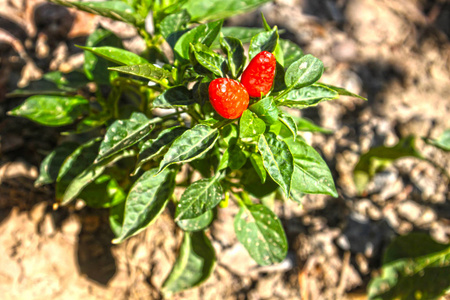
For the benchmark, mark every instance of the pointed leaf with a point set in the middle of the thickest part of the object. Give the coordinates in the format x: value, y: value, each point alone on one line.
x: 208, y: 59
x: 340, y: 91
x: 103, y: 192
x: 266, y: 109
x: 116, y: 218
x: 244, y: 34
x: 306, y: 125
x: 194, y: 264
x: 258, y: 165
x: 250, y: 125
x: 264, y: 41
x: 261, y: 233
x: 277, y: 160
x: 311, y: 173
x: 198, y: 198
x: 52, y: 110
x: 196, y: 224
x: 235, y: 54
x: 219, y: 9
x: 304, y: 72
x: 146, y: 200
x: 51, y: 164
x: 173, y: 26
x: 291, y: 52
x: 148, y: 71
x: 173, y: 97
x: 192, y: 144
x: 116, y: 55
x: 308, y: 96
x: 123, y: 134
x: 289, y: 122
x: 153, y: 147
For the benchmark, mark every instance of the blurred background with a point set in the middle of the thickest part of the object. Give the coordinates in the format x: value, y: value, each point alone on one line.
x: 394, y: 52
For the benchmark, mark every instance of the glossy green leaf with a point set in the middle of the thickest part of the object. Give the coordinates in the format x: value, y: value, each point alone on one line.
x: 116, y: 55
x: 261, y: 233
x: 123, y: 134
x: 51, y: 164
x: 192, y: 144
x: 218, y: 9
x: 193, y: 266
x: 250, y: 125
x: 209, y: 60
x: 278, y: 83
x: 378, y: 158
x: 153, y: 147
x: 306, y: 125
x: 289, y: 122
x: 291, y: 52
x: 53, y: 83
x: 196, y: 224
x: 173, y: 97
x: 81, y: 159
x: 414, y: 267
x: 173, y: 26
x: 266, y: 110
x: 198, y: 198
x: 443, y: 141
x: 304, y: 72
x: 116, y: 218
x: 340, y: 91
x: 235, y: 54
x: 88, y: 177
x: 149, y: 71
x: 311, y: 173
x: 204, y: 34
x: 52, y: 110
x: 244, y: 34
x: 116, y: 10
x: 146, y: 200
x: 307, y: 96
x: 234, y: 157
x: 103, y: 192
x: 258, y: 165
x: 96, y: 68
x: 264, y: 41
x: 277, y: 160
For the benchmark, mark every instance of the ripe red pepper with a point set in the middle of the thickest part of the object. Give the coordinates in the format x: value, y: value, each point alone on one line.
x: 259, y: 74
x: 228, y: 97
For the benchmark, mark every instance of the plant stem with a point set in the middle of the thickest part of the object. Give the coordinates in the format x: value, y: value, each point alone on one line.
x: 223, y: 123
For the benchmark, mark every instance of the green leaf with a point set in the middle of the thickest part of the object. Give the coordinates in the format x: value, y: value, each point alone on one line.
x: 116, y: 55
x: 235, y: 54
x: 307, y: 96
x: 277, y: 160
x: 289, y: 121
x: 103, y: 192
x: 311, y: 173
x: 250, y: 125
x: 443, y: 141
x: 414, y: 267
x: 306, y: 125
x: 210, y: 60
x: 291, y: 52
x: 173, y: 26
x: 173, y: 97
x: 278, y: 82
x: 204, y: 34
x: 52, y: 163
x: 234, y: 157
x: 258, y: 165
x: 266, y: 109
x: 191, y: 145
x: 81, y: 159
x: 53, y: 83
x: 198, y: 198
x: 378, y: 158
x: 194, y: 264
x: 218, y: 9
x: 196, y: 224
x: 116, y: 218
x: 148, y: 71
x: 244, y: 34
x: 89, y: 176
x: 261, y: 233
x: 264, y: 41
x: 116, y: 10
x: 304, y: 72
x: 52, y: 110
x: 153, y: 147
x: 340, y: 91
x: 123, y: 134
x: 96, y: 68
x: 146, y: 200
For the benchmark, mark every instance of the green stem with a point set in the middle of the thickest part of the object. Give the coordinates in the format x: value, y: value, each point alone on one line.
x: 223, y: 123
x: 284, y: 93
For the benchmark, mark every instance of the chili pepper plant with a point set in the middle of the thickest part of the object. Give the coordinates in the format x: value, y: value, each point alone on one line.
x: 138, y: 126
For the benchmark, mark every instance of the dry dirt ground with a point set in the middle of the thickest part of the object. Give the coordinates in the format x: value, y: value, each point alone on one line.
x: 395, y: 52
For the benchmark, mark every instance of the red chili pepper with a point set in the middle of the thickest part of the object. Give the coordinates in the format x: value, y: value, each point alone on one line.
x: 228, y: 97
x: 259, y: 74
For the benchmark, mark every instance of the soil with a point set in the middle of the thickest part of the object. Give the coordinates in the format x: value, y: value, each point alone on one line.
x: 394, y: 52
